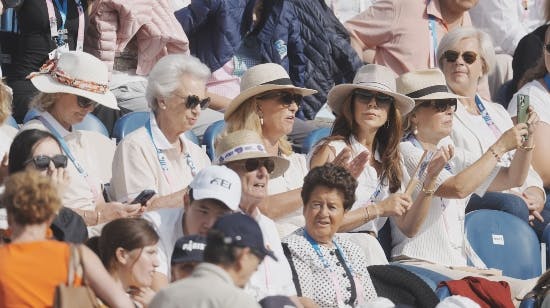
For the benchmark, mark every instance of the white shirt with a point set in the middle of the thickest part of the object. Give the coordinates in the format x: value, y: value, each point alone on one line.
x: 507, y: 21
x: 7, y: 133
x: 168, y: 224
x: 539, y: 98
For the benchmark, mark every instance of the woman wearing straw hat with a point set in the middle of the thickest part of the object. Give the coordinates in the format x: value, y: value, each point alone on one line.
x: 436, y: 238
x: 267, y: 105
x: 71, y: 87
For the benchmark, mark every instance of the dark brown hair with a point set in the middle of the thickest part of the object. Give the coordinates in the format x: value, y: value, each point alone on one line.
x: 539, y: 70
x: 331, y: 176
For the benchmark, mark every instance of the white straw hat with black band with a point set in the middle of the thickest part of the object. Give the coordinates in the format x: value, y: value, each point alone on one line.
x: 422, y: 85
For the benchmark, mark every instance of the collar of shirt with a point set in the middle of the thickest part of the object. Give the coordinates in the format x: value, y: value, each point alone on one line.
x: 55, y: 124
x: 358, y: 147
x: 160, y: 140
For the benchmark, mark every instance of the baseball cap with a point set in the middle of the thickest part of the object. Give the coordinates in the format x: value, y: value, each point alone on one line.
x: 276, y: 301
x: 220, y: 183
x: 189, y: 249
x: 242, y: 230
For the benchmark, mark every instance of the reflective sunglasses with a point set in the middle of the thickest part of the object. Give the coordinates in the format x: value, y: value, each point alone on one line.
x: 468, y: 56
x: 367, y: 96
x: 286, y: 98
x: 191, y: 101
x: 84, y: 102
x: 441, y: 105
x: 547, y: 48
x: 253, y: 164
x: 42, y: 162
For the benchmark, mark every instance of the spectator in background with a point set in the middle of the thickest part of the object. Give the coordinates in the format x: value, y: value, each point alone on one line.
x: 71, y: 87
x: 7, y: 132
x: 39, y: 37
x: 214, y: 191
x: 234, y: 250
x: 128, y: 249
x: 158, y: 156
x: 33, y: 266
x: 466, y: 55
x: 344, y: 10
x: 188, y: 253
x: 267, y: 105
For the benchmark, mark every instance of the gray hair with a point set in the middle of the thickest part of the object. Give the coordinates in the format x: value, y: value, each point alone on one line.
x: 487, y: 51
x: 44, y: 101
x: 164, y: 77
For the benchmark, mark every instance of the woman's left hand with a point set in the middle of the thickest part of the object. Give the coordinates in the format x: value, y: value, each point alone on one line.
x: 142, y: 295
x: 438, y: 161
x: 60, y: 177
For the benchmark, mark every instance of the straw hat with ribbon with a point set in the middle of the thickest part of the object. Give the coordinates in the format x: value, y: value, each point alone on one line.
x: 423, y: 85
x: 262, y: 78
x: 371, y: 77
x: 245, y: 144
x: 77, y: 73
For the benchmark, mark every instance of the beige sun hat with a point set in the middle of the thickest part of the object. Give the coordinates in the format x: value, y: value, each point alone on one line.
x: 77, y: 73
x: 262, y: 78
x: 244, y: 144
x: 371, y: 77
x: 422, y: 85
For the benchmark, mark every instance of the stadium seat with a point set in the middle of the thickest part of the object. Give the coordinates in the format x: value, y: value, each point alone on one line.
x: 11, y: 122
x: 210, y: 135
x: 505, y: 242
x: 90, y: 122
x: 546, y: 239
x: 313, y: 137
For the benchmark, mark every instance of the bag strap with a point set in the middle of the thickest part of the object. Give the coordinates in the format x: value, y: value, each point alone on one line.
x: 295, y: 278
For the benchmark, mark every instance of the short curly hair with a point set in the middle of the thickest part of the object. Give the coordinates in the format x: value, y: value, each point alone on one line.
x: 331, y: 176
x: 30, y: 198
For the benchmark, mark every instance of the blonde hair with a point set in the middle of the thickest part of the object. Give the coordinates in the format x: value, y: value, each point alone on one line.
x: 5, y: 102
x: 246, y: 117
x: 44, y: 101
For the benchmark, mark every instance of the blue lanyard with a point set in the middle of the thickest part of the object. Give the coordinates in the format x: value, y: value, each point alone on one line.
x: 547, y: 81
x: 315, y: 246
x: 412, y: 139
x: 62, y: 8
x: 487, y: 118
x: 433, y: 32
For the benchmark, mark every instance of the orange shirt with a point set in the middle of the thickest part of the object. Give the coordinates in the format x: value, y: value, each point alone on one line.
x: 30, y: 272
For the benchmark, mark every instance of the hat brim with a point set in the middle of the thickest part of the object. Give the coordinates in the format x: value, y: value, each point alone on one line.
x: 253, y: 91
x: 45, y: 83
x: 281, y: 164
x: 438, y: 95
x: 338, y: 94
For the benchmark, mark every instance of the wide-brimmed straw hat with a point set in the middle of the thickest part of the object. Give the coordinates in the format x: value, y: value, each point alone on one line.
x: 77, y: 73
x: 245, y: 144
x: 371, y: 77
x: 262, y: 78
x: 422, y: 85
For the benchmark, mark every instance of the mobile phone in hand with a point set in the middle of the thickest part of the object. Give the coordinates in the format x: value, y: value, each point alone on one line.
x: 143, y: 197
x: 523, y: 106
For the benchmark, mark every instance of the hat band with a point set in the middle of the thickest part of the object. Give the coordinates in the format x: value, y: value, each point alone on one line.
x: 428, y: 90
x: 50, y: 67
x: 241, y: 149
x: 280, y: 82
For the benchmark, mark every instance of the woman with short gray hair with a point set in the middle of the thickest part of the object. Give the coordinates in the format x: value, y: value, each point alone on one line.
x: 159, y: 156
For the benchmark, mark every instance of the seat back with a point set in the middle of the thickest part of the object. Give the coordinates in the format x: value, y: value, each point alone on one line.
x: 210, y: 135
x: 11, y: 122
x: 89, y: 123
x: 505, y: 242
x: 313, y: 137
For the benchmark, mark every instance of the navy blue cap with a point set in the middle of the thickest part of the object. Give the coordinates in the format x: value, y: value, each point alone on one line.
x: 189, y: 249
x: 242, y: 230
x: 276, y: 301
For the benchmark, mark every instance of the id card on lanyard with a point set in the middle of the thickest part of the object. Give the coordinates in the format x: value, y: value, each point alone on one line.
x: 60, y: 35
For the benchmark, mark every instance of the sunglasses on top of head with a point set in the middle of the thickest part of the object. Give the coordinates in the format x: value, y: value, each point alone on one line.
x: 42, y: 162
x: 286, y: 98
x: 468, y: 56
x: 367, y: 95
x: 252, y: 164
x: 441, y: 105
x: 84, y: 102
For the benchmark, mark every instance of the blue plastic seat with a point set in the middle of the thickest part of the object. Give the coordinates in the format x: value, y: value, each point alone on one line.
x: 505, y: 242
x: 11, y: 122
x: 313, y: 137
x: 89, y: 123
x: 209, y: 137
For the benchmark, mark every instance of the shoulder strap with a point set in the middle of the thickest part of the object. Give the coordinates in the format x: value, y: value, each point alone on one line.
x: 295, y: 279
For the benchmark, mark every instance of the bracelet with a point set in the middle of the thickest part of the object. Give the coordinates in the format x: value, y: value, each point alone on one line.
x: 495, y: 154
x: 428, y: 192
x: 98, y: 217
x: 527, y: 148
x: 366, y: 218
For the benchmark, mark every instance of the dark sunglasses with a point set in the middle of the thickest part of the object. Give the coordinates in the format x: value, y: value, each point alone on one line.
x: 468, y: 56
x: 547, y: 48
x: 367, y: 96
x: 441, y: 105
x: 84, y: 102
x: 193, y: 101
x: 42, y: 162
x: 253, y: 164
x: 286, y: 98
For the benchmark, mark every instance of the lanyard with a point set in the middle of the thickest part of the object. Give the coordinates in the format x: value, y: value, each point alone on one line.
x: 332, y: 274
x: 412, y: 139
x: 61, y: 35
x: 433, y: 41
x: 547, y: 81
x: 65, y: 147
x: 163, y: 161
x: 487, y: 118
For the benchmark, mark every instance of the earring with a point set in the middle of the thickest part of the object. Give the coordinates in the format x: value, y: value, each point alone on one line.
x: 415, y: 130
x: 261, y: 121
x: 388, y: 123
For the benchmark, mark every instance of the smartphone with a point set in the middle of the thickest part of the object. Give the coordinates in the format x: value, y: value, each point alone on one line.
x: 523, y: 105
x: 143, y: 197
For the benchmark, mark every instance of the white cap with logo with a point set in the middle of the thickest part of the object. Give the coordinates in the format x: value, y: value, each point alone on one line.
x: 220, y: 183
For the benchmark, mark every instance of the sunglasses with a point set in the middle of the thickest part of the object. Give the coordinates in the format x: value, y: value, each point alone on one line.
x: 84, y: 102
x: 191, y: 101
x: 42, y: 162
x: 286, y: 98
x: 253, y: 164
x: 441, y: 105
x: 547, y: 48
x: 468, y: 56
x: 367, y: 96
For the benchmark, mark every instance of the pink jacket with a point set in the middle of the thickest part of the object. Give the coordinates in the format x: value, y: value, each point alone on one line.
x: 114, y: 22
